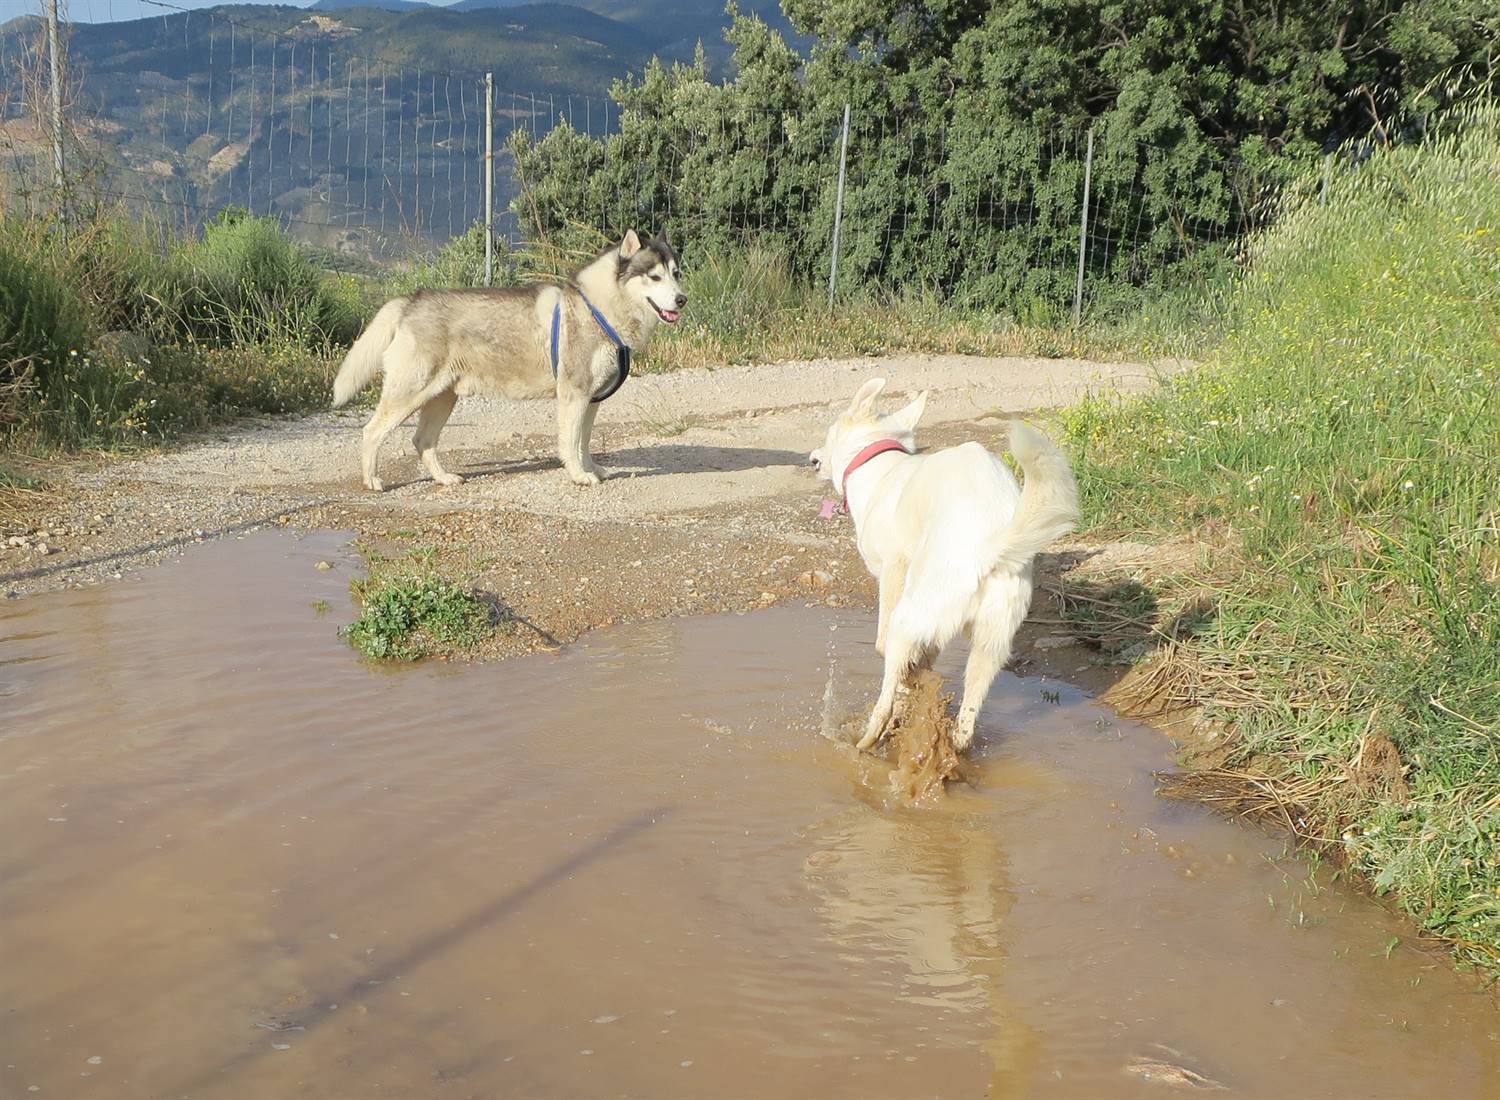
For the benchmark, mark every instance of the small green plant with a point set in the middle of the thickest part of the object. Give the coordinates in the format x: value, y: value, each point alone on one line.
x: 407, y: 615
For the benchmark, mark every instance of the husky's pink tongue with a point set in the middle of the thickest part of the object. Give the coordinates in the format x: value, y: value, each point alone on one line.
x: 670, y: 316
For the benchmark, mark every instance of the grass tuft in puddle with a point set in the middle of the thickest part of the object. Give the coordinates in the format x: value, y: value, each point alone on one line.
x: 408, y: 612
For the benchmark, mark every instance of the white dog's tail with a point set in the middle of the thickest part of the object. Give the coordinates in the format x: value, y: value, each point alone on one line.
x: 364, y: 359
x: 1048, y: 508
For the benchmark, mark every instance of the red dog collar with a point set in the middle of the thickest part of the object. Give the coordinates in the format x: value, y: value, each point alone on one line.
x: 864, y: 456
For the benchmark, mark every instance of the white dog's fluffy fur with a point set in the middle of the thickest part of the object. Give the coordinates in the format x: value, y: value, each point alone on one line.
x: 950, y: 536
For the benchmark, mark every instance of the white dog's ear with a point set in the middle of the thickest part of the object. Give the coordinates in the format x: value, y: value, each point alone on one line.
x: 906, y: 418
x: 864, y: 399
x: 630, y: 245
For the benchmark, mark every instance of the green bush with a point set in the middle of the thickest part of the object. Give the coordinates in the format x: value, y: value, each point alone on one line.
x: 120, y: 269
x: 106, y: 339
x: 245, y: 282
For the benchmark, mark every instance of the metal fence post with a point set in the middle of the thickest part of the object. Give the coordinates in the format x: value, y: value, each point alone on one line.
x: 489, y: 179
x: 1327, y: 169
x: 1083, y: 230
x: 54, y: 49
x: 838, y: 209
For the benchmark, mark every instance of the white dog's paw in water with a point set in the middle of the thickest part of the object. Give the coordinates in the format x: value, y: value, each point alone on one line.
x: 950, y: 536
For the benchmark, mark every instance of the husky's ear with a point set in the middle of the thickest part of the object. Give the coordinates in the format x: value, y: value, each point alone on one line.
x: 864, y: 399
x: 630, y: 245
x: 906, y: 418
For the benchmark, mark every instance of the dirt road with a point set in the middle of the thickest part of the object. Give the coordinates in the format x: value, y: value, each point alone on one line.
x: 709, y: 506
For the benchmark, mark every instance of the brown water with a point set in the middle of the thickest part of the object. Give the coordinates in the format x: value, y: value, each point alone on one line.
x: 239, y: 863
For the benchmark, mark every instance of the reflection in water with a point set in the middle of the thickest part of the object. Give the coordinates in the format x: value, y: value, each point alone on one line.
x: 239, y: 863
x: 925, y: 889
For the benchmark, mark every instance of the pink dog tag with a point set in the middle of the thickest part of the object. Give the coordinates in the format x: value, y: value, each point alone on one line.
x: 829, y: 510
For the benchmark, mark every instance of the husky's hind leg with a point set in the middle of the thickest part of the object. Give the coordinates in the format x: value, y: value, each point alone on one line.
x: 409, y: 384
x: 389, y: 414
x: 395, y: 405
x: 430, y: 423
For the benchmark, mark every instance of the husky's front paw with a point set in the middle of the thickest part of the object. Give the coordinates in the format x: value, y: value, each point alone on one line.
x: 375, y: 485
x: 448, y: 480
x: 585, y: 477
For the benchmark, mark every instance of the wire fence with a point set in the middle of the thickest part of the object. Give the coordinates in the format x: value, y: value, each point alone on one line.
x: 370, y: 159
x: 1039, y: 221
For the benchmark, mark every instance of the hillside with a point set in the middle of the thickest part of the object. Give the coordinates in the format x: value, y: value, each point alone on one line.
x: 384, y: 5
x: 672, y: 27
x: 359, y: 126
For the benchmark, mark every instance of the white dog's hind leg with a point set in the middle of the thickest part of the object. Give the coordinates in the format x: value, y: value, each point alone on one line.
x: 983, y: 666
x: 430, y: 423
x: 1002, y: 605
x: 892, y: 583
x: 900, y: 650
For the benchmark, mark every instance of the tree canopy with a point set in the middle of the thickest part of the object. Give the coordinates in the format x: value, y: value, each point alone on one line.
x: 969, y: 128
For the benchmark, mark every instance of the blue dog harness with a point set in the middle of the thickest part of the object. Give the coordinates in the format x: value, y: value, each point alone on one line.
x: 622, y: 350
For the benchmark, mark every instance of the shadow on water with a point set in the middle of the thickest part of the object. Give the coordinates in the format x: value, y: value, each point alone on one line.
x: 486, y: 918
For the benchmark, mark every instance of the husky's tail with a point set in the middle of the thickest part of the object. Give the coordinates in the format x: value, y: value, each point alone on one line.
x: 1048, y: 508
x: 364, y: 359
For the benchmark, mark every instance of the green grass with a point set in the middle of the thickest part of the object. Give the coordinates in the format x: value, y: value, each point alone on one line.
x: 1344, y: 443
x: 749, y: 307
x: 122, y: 335
x: 408, y: 612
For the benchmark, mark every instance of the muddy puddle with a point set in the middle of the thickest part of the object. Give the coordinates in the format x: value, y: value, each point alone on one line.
x: 238, y: 863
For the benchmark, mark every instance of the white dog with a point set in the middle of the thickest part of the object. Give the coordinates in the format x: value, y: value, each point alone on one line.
x: 950, y: 536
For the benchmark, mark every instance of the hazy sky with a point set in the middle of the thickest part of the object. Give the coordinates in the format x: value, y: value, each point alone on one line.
x: 104, y: 11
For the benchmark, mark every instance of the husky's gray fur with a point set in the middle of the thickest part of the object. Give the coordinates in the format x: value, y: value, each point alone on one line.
x: 436, y: 346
